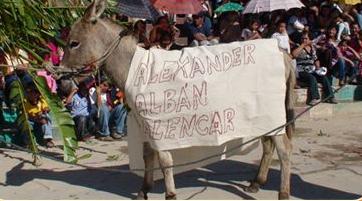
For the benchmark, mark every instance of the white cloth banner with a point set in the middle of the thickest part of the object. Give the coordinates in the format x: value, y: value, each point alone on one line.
x: 204, y: 96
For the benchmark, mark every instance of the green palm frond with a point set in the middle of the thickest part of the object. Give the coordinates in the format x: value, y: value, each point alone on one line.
x: 18, y: 98
x: 61, y: 117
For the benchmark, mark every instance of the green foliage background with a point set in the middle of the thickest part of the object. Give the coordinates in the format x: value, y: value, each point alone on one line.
x: 26, y: 24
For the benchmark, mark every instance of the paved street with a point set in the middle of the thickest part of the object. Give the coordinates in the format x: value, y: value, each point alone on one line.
x: 327, y: 158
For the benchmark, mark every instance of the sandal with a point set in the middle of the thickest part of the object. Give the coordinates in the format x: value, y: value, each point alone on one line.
x: 49, y: 143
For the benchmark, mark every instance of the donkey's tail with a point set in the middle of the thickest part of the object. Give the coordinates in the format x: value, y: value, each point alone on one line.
x: 289, y: 97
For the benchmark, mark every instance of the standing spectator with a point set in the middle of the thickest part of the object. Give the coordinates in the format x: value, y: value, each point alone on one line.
x: 38, y: 113
x: 109, y: 114
x: 252, y: 32
x: 307, y: 64
x: 282, y: 36
x: 200, y: 32
x: 79, y: 105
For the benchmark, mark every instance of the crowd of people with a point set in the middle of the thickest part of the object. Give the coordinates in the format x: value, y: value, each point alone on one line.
x: 97, y: 107
x: 324, y: 39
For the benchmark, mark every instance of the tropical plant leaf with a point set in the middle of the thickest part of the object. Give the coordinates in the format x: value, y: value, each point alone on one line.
x: 61, y: 117
x: 17, y: 97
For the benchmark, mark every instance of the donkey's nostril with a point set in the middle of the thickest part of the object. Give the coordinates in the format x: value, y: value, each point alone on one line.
x: 73, y: 44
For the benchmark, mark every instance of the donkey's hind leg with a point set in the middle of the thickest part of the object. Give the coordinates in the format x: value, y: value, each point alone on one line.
x: 261, y: 178
x: 149, y: 159
x: 165, y: 159
x: 284, y: 149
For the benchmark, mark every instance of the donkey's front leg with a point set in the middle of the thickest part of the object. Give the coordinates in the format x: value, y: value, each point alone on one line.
x: 165, y: 159
x: 284, y: 149
x: 149, y: 159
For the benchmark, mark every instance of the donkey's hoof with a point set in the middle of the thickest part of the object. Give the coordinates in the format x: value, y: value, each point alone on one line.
x: 171, y: 197
x: 283, y: 196
x: 253, y: 188
x: 142, y: 196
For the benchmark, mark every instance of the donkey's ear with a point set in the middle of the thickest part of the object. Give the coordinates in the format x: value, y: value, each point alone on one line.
x: 94, y: 10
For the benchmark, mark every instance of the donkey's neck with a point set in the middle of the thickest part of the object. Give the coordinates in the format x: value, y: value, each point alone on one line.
x: 118, y: 63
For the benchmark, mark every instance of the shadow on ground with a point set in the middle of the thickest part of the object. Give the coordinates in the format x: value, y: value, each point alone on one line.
x: 127, y: 184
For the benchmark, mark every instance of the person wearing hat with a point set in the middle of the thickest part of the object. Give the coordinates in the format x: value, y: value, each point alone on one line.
x: 200, y: 31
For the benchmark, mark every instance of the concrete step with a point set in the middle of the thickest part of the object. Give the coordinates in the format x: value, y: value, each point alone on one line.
x: 347, y: 93
x: 324, y: 110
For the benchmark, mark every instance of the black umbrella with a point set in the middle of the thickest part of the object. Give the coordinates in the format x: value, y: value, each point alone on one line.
x: 138, y: 9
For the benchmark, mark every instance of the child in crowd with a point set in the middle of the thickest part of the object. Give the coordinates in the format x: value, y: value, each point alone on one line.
x: 38, y: 113
x: 109, y: 114
x: 282, y: 36
x: 252, y: 32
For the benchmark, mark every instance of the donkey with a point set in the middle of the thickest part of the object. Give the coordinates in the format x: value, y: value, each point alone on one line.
x: 89, y: 39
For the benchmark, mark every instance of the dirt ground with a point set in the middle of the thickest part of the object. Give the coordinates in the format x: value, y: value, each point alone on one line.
x: 326, y: 164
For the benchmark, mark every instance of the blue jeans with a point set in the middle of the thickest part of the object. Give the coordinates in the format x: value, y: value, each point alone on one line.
x: 312, y: 80
x: 359, y: 20
x: 42, y: 131
x: 339, y: 69
x: 117, y: 117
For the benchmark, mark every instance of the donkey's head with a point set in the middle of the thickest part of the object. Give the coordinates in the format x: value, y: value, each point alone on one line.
x: 89, y: 37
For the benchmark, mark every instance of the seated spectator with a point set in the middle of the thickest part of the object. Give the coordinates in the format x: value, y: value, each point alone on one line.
x: 352, y: 59
x: 79, y: 105
x: 38, y: 113
x: 252, y: 32
x: 324, y: 19
x: 331, y: 56
x: 355, y: 41
x: 139, y: 30
x: 120, y: 100
x: 167, y: 42
x: 343, y: 28
x: 16, y: 59
x: 162, y: 24
x: 296, y: 24
x: 231, y: 29
x: 307, y: 64
x: 356, y: 11
x: 2, y: 87
x: 282, y: 37
x: 200, y: 32
x: 109, y: 114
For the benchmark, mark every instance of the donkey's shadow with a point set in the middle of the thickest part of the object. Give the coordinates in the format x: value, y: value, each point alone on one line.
x: 127, y: 184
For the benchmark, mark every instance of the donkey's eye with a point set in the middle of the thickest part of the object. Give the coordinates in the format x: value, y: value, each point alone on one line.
x: 73, y: 44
